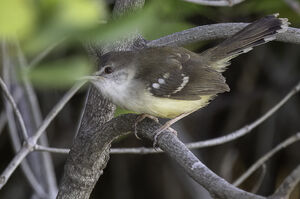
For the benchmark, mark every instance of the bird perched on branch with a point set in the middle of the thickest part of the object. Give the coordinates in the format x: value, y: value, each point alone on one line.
x: 172, y: 82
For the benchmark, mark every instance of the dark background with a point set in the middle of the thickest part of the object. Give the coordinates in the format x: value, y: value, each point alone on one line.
x: 258, y: 80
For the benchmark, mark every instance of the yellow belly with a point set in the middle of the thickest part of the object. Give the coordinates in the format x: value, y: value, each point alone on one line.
x: 170, y: 108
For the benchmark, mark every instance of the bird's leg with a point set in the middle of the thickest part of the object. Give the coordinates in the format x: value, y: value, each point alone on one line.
x: 167, y: 125
x: 141, y: 118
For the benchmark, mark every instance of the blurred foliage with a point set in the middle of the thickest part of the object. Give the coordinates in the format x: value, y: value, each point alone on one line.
x: 39, y: 24
x: 59, y: 73
x: 17, y: 18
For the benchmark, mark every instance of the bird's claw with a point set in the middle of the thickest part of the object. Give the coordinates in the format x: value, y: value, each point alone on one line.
x: 141, y: 118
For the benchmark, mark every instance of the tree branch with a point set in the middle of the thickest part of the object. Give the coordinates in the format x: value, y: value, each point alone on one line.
x: 31, y: 142
x: 46, y: 164
x: 80, y: 173
x: 216, y: 2
x: 263, y: 159
x: 216, y: 31
x: 121, y: 125
x: 95, y: 142
x: 215, y: 185
x: 12, y: 126
x: 15, y: 108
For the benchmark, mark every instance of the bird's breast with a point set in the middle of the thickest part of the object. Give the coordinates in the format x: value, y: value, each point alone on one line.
x: 136, y: 98
x: 171, y: 108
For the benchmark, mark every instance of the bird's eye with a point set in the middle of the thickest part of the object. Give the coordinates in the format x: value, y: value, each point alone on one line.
x: 108, y: 70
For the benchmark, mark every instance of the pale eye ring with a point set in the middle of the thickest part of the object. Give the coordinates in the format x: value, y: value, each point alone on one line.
x: 108, y: 70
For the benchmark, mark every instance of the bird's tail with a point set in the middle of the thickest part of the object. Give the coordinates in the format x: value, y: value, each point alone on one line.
x: 256, y: 33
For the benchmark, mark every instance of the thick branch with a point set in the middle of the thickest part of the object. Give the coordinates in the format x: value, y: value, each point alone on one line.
x: 81, y: 174
x: 90, y: 150
x: 216, y: 31
x: 215, y: 185
x: 89, y: 157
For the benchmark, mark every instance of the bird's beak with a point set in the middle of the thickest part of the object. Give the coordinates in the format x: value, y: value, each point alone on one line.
x: 91, y: 78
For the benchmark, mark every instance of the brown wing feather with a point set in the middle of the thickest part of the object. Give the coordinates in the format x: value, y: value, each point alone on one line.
x: 180, y: 75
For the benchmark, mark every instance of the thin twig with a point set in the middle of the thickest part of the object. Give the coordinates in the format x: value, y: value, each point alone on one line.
x: 3, y: 120
x: 13, y: 132
x: 15, y: 108
x: 266, y: 157
x: 57, y: 108
x: 31, y: 142
x: 248, y: 128
x: 9, y: 97
x: 43, y: 54
x: 33, y: 181
x: 216, y: 2
x: 37, y: 118
x: 16, y: 161
x: 260, y: 179
x: 38, y: 147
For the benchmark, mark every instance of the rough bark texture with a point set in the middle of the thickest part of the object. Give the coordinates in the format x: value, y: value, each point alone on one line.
x: 85, y: 163
x: 87, y: 158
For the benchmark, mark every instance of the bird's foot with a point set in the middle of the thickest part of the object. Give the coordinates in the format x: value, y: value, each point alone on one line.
x: 141, y: 118
x: 167, y: 125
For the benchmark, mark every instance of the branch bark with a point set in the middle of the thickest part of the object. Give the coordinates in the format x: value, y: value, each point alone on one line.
x: 216, y: 31
x: 83, y: 159
x: 87, y: 158
x: 90, y: 150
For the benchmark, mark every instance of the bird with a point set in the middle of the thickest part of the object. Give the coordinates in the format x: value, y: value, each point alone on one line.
x: 173, y: 82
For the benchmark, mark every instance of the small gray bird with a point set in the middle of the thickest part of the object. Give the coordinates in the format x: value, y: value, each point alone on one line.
x: 172, y: 82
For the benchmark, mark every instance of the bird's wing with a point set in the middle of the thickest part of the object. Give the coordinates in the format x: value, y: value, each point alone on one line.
x: 180, y: 76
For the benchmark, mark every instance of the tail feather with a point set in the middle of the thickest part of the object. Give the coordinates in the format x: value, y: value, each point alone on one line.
x: 257, y: 33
